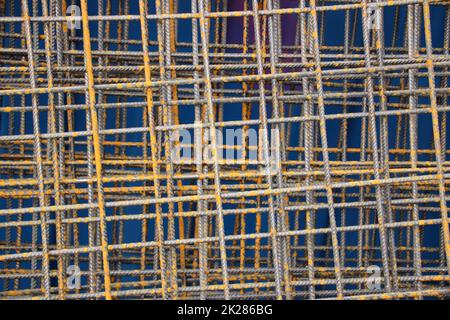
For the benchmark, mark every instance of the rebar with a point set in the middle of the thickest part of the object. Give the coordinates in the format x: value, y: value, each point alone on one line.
x: 215, y: 149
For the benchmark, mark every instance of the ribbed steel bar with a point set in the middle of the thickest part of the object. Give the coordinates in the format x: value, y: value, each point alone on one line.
x: 215, y: 149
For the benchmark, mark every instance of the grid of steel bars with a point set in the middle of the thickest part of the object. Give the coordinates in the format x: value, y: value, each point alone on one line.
x: 346, y: 197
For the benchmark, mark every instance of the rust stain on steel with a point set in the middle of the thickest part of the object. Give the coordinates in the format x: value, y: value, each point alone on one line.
x: 90, y: 119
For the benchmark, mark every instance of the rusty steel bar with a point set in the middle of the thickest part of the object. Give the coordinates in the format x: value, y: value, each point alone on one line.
x: 215, y: 149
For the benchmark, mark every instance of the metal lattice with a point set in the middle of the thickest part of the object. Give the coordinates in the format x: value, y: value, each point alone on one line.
x: 334, y: 184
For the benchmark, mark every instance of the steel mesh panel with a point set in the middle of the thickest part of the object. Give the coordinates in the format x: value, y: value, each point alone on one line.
x: 224, y: 149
